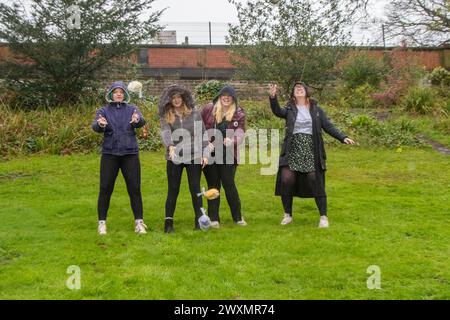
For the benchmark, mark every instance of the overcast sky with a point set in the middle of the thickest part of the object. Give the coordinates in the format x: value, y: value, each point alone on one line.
x: 218, y: 10
x: 197, y: 10
x: 190, y: 19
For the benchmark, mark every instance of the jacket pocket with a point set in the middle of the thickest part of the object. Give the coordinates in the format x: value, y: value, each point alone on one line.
x: 108, y: 140
x: 284, y: 146
x: 130, y: 141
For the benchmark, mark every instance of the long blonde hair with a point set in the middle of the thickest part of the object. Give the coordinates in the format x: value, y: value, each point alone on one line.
x: 170, y: 112
x: 219, y: 112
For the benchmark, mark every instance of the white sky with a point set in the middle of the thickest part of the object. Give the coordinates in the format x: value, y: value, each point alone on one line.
x: 190, y: 18
x: 197, y: 10
x: 218, y: 10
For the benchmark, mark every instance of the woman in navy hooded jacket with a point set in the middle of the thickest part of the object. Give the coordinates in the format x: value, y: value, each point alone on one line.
x: 118, y: 121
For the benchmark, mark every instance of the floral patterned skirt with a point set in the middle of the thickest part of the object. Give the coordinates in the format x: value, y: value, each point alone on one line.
x: 301, y: 153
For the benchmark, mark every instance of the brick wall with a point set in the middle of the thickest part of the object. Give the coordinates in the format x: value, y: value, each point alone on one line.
x: 190, y: 65
x: 219, y: 56
x: 204, y: 57
x: 185, y: 57
x: 173, y: 57
x: 429, y: 59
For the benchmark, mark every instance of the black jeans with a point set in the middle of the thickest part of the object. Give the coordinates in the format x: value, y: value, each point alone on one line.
x: 288, y: 179
x: 223, y: 174
x: 131, y: 171
x: 174, y: 173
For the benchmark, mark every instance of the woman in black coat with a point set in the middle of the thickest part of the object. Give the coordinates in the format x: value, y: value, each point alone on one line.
x: 302, y: 166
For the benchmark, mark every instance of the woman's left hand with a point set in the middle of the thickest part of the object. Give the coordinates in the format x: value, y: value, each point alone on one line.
x: 227, y: 142
x: 134, y: 117
x: 349, y: 141
x: 204, y: 162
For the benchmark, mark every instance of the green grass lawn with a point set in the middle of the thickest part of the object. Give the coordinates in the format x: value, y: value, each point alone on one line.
x: 386, y: 208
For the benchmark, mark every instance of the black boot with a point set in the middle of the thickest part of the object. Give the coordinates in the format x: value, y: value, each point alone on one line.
x: 168, y: 226
x: 196, y: 224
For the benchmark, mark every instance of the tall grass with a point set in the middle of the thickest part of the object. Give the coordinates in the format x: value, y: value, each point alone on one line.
x: 62, y: 130
x: 67, y: 130
x: 420, y: 100
x: 54, y: 131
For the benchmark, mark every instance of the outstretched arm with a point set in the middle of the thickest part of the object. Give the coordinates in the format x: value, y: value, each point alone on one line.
x: 274, y: 105
x: 331, y: 129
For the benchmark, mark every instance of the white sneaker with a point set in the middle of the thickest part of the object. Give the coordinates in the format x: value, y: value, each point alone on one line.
x: 324, y: 222
x: 241, y: 223
x: 287, y: 219
x: 140, y: 227
x: 215, y: 224
x: 102, y: 227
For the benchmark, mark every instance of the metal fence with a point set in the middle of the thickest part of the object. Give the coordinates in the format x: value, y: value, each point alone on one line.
x: 367, y: 33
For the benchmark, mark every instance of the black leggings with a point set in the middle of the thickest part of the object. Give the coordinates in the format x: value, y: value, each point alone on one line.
x: 131, y: 171
x: 223, y: 174
x: 174, y: 173
x: 289, y: 179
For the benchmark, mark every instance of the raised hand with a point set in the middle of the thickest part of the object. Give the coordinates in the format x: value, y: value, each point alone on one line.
x: 272, y: 90
x: 102, y: 121
x: 135, y: 117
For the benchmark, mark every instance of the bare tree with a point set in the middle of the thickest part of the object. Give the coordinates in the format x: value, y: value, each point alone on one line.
x: 423, y: 22
x: 287, y: 40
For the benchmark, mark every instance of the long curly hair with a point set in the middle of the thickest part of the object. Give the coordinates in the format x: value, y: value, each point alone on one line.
x: 165, y: 106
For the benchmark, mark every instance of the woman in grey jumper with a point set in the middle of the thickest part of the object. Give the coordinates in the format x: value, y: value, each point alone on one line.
x: 182, y: 132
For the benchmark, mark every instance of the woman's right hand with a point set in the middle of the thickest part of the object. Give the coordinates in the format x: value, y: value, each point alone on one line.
x: 272, y: 90
x: 102, y: 121
x: 204, y: 162
x: 210, y: 147
x: 171, y: 152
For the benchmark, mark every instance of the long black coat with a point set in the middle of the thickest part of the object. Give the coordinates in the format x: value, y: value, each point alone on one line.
x: 319, y: 122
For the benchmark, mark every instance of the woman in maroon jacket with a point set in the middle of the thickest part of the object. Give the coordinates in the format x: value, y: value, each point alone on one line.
x: 225, y: 122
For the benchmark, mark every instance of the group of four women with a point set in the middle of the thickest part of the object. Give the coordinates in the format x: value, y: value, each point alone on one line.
x: 208, y: 141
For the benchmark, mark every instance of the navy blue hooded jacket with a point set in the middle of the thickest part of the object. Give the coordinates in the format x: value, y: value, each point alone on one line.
x: 119, y: 134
